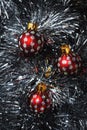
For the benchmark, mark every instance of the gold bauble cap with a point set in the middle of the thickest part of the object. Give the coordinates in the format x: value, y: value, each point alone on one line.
x: 32, y: 26
x: 65, y: 48
x: 41, y: 87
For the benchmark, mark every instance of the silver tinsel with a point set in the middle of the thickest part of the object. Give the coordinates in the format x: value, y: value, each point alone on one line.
x: 61, y: 23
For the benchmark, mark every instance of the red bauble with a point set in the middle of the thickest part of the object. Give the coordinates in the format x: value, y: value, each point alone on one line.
x: 40, y: 102
x: 31, y: 42
x: 69, y: 63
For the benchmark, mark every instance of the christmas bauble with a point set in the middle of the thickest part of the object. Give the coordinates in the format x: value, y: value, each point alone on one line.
x: 40, y: 101
x: 68, y: 62
x: 31, y: 41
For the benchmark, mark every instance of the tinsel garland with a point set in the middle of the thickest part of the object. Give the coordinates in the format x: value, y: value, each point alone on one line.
x: 62, y: 21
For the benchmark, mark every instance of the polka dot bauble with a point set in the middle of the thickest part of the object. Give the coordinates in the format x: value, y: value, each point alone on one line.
x: 39, y: 100
x: 31, y: 41
x: 68, y: 62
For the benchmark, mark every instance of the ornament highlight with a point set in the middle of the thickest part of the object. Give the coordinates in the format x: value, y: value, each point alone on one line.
x: 31, y: 41
x: 68, y: 62
x: 39, y: 99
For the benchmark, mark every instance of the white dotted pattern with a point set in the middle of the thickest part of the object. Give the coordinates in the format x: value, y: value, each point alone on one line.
x: 64, y: 69
x: 27, y: 34
x: 68, y: 57
x: 37, y: 100
x: 38, y: 48
x: 65, y: 73
x: 34, y: 96
x: 36, y: 111
x: 24, y: 45
x: 33, y: 37
x: 47, y: 100
x: 42, y: 108
x: 59, y: 59
x: 39, y: 41
x: 35, y: 106
x: 70, y: 67
x: 64, y: 62
x: 26, y: 51
x: 43, y: 96
x: 43, y: 103
x: 40, y: 104
x: 32, y: 101
x: 32, y: 50
x: 25, y: 39
x: 68, y: 64
x: 58, y: 64
x: 32, y: 44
